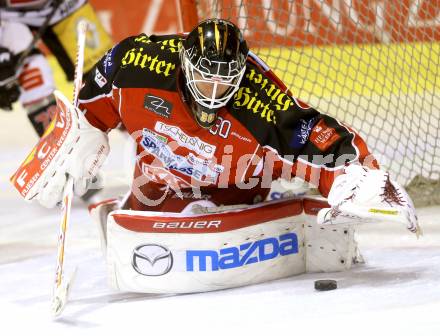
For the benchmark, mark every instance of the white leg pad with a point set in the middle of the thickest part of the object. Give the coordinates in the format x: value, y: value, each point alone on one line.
x: 99, y: 213
x: 328, y: 248
x: 156, y: 252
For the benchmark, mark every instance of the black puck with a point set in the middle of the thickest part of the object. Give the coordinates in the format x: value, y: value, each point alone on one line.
x: 325, y: 285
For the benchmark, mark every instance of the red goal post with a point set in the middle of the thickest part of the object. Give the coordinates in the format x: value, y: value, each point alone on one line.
x: 371, y: 64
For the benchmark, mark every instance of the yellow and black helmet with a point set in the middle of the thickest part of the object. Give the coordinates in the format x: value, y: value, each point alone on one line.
x: 213, y: 59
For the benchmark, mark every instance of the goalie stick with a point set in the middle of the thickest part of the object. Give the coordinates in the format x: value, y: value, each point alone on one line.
x: 62, y: 286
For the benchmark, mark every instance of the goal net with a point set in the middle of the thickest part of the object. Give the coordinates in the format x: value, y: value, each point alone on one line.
x: 372, y: 64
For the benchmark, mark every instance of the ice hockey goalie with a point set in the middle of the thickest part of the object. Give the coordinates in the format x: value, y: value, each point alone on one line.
x: 213, y: 128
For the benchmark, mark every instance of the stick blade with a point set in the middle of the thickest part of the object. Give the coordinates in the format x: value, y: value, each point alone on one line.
x: 61, y: 295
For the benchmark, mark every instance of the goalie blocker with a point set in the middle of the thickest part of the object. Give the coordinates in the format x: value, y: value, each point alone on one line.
x: 69, y: 146
x: 156, y: 252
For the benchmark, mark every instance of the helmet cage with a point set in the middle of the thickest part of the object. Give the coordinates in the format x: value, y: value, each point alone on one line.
x: 217, y: 74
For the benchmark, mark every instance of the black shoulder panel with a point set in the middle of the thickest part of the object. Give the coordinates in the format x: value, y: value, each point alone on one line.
x: 151, y: 61
x: 265, y: 107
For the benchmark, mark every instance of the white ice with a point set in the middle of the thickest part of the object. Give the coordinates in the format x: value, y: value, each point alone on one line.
x: 397, y: 291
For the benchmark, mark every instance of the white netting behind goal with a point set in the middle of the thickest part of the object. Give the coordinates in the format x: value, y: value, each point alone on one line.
x: 371, y: 64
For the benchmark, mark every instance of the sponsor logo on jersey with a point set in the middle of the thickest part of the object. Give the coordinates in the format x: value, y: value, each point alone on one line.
x: 171, y: 45
x: 108, y: 60
x: 301, y: 133
x: 198, y: 161
x: 152, y: 259
x: 136, y: 57
x: 158, y: 136
x: 235, y: 134
x: 192, y: 143
x: 245, y: 254
x: 158, y: 105
x: 250, y: 100
x: 323, y: 136
x: 142, y: 39
x: 164, y: 176
x: 99, y: 78
x: 253, y: 101
x: 199, y: 169
x: 280, y: 100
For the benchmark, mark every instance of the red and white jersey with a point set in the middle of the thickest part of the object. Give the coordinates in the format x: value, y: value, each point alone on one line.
x: 263, y: 132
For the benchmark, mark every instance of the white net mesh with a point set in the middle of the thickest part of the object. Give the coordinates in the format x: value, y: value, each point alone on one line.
x: 372, y: 64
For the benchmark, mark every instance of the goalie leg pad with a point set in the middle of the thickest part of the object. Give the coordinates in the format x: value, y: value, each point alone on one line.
x: 217, y: 248
x: 328, y: 248
x: 99, y: 213
x: 155, y: 252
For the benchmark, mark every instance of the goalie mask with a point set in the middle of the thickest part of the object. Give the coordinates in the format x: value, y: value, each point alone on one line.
x: 213, y: 60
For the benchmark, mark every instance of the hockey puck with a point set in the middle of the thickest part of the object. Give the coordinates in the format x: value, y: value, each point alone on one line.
x: 325, y: 285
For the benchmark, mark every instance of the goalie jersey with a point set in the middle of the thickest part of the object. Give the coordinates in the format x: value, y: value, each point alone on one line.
x: 263, y: 133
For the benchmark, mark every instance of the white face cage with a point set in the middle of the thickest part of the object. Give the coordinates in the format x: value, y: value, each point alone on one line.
x: 196, y: 76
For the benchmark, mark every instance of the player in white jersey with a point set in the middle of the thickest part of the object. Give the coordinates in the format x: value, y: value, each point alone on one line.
x: 25, y: 74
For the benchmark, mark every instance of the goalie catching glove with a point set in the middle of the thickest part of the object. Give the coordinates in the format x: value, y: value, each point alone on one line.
x: 69, y: 146
x: 366, y: 195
